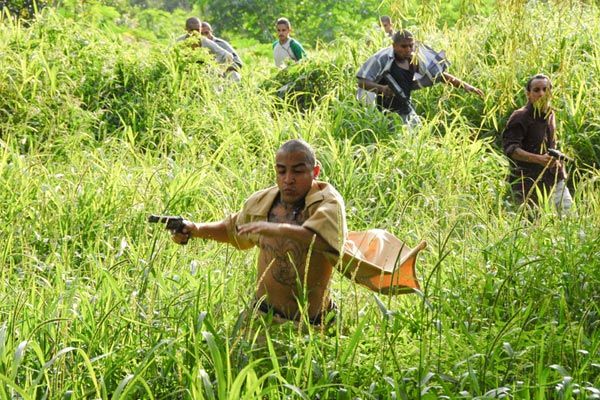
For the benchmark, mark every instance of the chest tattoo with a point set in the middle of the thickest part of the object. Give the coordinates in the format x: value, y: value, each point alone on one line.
x: 286, y: 258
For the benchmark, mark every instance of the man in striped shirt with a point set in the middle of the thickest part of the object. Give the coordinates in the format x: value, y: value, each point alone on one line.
x: 389, y: 76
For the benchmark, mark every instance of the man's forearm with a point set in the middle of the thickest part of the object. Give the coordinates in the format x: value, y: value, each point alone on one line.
x: 296, y: 233
x: 210, y: 230
x: 452, y: 80
x: 457, y: 83
x: 304, y: 236
x: 370, y: 86
x: 522, y: 155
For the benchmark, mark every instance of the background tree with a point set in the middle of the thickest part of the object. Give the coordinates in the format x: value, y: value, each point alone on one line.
x: 22, y: 9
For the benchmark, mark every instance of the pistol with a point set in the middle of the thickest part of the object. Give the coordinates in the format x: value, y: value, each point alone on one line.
x: 558, y: 155
x: 172, y: 223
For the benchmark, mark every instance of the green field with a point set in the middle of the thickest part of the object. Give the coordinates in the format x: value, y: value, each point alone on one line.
x: 102, y: 124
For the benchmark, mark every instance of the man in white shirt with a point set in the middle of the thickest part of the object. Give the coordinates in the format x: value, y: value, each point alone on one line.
x: 286, y: 48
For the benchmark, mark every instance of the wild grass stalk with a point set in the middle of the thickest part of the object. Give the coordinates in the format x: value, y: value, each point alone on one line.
x: 97, y: 134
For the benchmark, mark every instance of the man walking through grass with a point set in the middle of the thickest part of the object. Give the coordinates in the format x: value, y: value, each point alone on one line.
x: 193, y: 26
x: 207, y: 31
x: 528, y: 135
x: 388, y: 77
x: 299, y: 226
x: 286, y: 48
x: 386, y: 23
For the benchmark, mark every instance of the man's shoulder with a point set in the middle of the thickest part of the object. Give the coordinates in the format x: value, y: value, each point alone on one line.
x: 221, y: 41
x: 260, y: 202
x: 383, y: 56
x: 519, y: 115
x: 323, y: 191
x: 275, y: 43
x: 261, y: 194
x: 385, y: 52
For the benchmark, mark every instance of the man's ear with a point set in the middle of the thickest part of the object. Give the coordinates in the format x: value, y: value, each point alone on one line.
x: 316, y: 171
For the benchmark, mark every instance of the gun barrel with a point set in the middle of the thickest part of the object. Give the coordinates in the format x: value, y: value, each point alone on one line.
x: 557, y: 154
x: 163, y: 219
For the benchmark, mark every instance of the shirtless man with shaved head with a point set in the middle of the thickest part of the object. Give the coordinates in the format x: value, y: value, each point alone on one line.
x: 294, y: 224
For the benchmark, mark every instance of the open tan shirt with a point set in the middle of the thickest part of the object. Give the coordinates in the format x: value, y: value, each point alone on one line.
x: 373, y: 258
x: 323, y: 206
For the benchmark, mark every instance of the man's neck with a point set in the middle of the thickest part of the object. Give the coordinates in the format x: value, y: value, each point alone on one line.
x: 283, y: 212
x: 285, y: 41
x: 297, y: 206
x: 537, y: 110
x: 402, y: 62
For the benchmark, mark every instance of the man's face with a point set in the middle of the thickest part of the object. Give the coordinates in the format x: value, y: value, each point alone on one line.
x: 404, y: 49
x: 283, y: 32
x: 540, y: 93
x: 192, y: 26
x: 206, y: 32
x: 294, y: 175
x: 387, y: 27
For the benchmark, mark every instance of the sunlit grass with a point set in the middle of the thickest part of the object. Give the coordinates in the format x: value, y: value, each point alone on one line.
x: 97, y: 134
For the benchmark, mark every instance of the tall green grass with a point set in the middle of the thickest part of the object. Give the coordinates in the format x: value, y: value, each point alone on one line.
x: 97, y: 132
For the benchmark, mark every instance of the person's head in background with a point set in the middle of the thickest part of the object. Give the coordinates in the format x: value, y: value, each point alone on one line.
x: 386, y: 24
x: 193, y: 24
x: 206, y: 30
x: 539, y: 91
x: 284, y: 28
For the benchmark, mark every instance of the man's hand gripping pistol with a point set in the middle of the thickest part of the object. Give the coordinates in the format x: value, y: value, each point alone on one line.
x: 173, y: 223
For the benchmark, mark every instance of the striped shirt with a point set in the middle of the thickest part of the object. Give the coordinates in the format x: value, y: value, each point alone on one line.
x: 430, y: 66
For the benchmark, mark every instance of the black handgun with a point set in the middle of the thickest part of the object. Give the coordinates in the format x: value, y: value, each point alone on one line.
x: 172, y: 223
x: 558, y: 155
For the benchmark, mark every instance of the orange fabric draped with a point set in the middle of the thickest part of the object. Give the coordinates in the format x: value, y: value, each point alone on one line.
x: 380, y: 261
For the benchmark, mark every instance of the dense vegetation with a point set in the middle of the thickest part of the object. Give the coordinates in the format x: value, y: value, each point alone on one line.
x: 99, y: 128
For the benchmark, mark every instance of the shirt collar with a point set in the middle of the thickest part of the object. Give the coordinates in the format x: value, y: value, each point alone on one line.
x: 262, y: 206
x: 536, y: 115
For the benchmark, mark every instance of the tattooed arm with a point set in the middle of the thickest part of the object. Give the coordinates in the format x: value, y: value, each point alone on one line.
x: 296, y: 233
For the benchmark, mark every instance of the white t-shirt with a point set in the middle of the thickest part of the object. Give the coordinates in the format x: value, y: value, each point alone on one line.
x: 281, y: 52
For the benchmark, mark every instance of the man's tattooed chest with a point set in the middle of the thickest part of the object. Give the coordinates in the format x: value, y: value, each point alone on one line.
x: 285, y: 260
x: 284, y: 257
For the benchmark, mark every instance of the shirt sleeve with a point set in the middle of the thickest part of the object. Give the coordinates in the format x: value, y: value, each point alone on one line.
x: 329, y: 222
x: 298, y: 50
x: 512, y: 137
x: 236, y: 57
x: 222, y: 55
x: 371, y: 69
x: 231, y: 222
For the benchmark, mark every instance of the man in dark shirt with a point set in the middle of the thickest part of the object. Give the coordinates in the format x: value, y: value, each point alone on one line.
x: 528, y: 135
x: 411, y: 73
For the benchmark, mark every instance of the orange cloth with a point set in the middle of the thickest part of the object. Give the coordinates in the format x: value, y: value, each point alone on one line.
x: 380, y: 261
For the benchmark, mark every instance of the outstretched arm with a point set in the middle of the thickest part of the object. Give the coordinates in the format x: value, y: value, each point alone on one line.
x: 210, y: 230
x: 457, y: 83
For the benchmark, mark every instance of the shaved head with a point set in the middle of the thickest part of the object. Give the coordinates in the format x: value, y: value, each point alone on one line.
x: 300, y: 146
x: 193, y: 24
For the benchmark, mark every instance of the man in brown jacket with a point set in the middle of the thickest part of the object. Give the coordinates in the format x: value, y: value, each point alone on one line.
x: 528, y: 135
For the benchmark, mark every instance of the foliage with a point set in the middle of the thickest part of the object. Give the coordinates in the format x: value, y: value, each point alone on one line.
x: 99, y: 129
x: 312, y: 22
x: 22, y: 9
x: 306, y: 83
